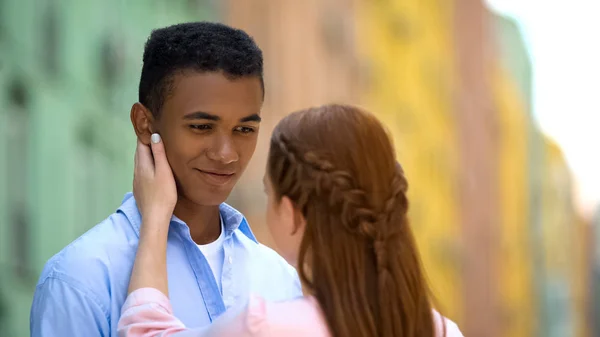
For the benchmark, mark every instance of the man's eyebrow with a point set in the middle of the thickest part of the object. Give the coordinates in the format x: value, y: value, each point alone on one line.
x: 201, y: 115
x: 251, y: 118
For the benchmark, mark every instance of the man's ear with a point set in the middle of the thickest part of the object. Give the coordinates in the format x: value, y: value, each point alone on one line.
x: 143, y: 121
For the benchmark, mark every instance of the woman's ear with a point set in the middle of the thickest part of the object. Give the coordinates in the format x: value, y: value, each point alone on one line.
x: 143, y: 121
x: 294, y: 218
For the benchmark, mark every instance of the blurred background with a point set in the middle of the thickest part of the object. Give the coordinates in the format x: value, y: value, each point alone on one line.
x: 492, y: 105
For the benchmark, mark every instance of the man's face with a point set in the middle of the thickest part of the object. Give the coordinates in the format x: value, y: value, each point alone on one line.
x: 209, y: 125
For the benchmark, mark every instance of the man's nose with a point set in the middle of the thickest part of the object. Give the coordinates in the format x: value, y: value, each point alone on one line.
x: 223, y: 150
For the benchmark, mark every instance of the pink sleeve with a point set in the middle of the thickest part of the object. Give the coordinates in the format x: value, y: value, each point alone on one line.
x: 246, y: 321
x: 147, y: 312
x: 296, y: 318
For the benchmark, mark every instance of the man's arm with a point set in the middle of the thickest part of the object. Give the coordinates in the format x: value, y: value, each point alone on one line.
x: 62, y: 308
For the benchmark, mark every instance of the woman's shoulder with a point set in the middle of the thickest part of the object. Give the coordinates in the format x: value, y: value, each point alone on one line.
x: 298, y: 317
x: 444, y: 324
x: 303, y: 317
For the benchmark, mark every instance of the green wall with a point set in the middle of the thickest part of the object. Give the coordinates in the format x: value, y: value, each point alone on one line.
x: 69, y: 72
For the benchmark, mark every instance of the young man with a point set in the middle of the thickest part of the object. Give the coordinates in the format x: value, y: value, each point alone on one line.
x: 202, y: 90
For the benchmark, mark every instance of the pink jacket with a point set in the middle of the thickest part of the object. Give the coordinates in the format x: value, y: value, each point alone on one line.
x: 147, y: 313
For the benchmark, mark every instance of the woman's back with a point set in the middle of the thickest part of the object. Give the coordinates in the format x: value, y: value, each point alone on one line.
x: 337, y: 165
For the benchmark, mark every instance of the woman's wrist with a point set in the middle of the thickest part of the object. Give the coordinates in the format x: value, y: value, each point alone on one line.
x: 156, y: 218
x: 155, y: 225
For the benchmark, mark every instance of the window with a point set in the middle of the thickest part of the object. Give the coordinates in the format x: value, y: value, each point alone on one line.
x: 335, y: 31
x: 17, y: 171
x: 50, y: 40
x: 2, y: 21
x: 111, y: 61
x: 204, y: 9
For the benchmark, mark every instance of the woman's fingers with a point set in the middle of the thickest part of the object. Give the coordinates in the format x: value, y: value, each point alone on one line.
x: 161, y: 164
x: 143, y: 159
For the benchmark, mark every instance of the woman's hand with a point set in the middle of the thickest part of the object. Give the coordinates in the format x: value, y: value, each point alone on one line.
x: 155, y: 193
x: 153, y: 182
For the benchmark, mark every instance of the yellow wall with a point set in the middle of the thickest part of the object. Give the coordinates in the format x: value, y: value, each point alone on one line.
x: 557, y: 213
x: 580, y: 275
x: 310, y: 60
x: 517, y: 296
x: 566, y: 242
x: 408, y: 52
x: 558, y: 222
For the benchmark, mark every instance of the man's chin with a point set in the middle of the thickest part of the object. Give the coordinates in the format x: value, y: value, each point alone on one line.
x: 207, y: 199
x: 203, y: 194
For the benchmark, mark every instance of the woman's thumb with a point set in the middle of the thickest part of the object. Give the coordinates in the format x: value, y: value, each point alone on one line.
x: 161, y: 163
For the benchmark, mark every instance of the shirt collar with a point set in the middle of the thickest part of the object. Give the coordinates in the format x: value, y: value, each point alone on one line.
x: 232, y: 218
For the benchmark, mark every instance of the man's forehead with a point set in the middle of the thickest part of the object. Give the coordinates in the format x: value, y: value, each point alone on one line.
x: 211, y: 83
x: 253, y: 117
x: 204, y: 93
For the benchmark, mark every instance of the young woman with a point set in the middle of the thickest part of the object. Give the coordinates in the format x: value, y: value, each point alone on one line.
x: 337, y: 210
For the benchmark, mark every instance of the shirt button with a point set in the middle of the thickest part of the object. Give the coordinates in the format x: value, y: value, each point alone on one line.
x: 230, y: 260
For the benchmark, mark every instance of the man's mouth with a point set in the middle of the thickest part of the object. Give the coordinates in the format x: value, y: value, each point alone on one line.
x: 215, y: 177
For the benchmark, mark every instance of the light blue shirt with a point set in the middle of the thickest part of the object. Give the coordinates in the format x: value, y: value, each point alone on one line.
x: 83, y: 287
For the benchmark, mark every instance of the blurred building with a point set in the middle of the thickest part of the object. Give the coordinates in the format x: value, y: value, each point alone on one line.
x: 478, y: 118
x: 409, y: 73
x: 68, y: 77
x: 581, y: 272
x: 311, y: 59
x: 556, y: 311
x: 512, y: 93
x: 594, y: 279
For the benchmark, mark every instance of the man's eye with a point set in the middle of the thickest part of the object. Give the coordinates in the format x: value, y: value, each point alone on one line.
x: 200, y: 126
x: 245, y: 129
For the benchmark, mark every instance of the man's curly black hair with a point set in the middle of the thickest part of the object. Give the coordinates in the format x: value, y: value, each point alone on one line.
x: 198, y: 46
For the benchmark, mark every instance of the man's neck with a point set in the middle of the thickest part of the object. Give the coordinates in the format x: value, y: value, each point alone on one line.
x: 204, y: 221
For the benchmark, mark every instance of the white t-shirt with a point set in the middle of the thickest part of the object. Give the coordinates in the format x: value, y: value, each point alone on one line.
x: 215, y: 254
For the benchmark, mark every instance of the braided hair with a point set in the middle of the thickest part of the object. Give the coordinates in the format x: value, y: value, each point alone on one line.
x: 358, y: 257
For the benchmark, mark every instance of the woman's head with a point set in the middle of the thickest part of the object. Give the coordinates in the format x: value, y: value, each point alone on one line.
x: 337, y: 210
